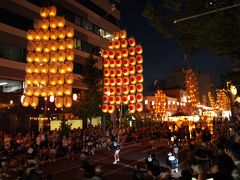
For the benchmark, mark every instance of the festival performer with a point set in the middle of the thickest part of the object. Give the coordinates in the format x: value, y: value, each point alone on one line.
x: 116, y: 146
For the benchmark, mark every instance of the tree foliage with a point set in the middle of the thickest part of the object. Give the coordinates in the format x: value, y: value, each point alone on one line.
x: 218, y: 32
x: 88, y: 106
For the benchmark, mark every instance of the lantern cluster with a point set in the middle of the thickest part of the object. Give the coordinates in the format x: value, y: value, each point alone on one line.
x: 211, y: 100
x: 223, y: 100
x: 49, y: 69
x: 160, y: 103
x: 123, y: 74
x: 191, y: 82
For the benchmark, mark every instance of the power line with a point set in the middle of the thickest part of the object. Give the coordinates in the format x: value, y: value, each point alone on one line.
x: 206, y: 13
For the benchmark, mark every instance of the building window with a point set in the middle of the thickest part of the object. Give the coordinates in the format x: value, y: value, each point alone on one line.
x: 87, y: 25
x: 87, y: 47
x: 96, y: 29
x: 78, y: 68
x: 77, y: 44
x: 12, y: 52
x: 78, y: 20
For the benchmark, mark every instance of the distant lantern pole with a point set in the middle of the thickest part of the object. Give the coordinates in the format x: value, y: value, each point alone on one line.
x: 212, y: 101
x: 160, y: 103
x: 49, y: 69
x: 123, y: 74
x: 223, y: 100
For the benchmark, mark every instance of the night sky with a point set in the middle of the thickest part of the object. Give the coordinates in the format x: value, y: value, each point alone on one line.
x: 162, y: 55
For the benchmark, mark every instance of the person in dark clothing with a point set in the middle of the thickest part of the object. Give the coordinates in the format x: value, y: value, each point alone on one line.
x: 138, y: 174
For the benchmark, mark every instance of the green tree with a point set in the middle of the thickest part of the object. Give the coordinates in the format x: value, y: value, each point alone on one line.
x: 65, y: 127
x: 218, y: 32
x: 89, y: 103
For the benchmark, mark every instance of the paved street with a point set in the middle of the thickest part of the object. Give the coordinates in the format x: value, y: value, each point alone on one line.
x: 129, y: 156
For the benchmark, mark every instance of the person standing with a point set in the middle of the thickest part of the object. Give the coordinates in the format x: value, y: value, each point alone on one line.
x: 116, y: 146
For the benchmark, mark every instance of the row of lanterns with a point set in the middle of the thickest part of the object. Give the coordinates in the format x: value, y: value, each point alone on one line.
x: 160, y: 103
x: 123, y: 78
x: 50, y: 60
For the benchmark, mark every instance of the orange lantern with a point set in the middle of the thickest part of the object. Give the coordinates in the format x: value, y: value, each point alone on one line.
x: 52, y: 11
x: 119, y: 81
x: 132, y: 89
x: 139, y: 97
x: 67, y: 101
x: 60, y: 79
x: 125, y: 81
x: 118, y: 54
x: 44, y: 91
x: 44, y: 68
x: 104, y: 54
x: 118, y: 90
x: 125, y: 99
x: 67, y: 89
x: 31, y: 35
x: 59, y: 102
x: 125, y: 71
x: 139, y: 78
x: 28, y: 79
x: 104, y: 108
x: 138, y: 49
x: 118, y: 62
x: 34, y: 102
x: 119, y: 72
x: 69, y: 43
x: 132, y: 70
x: 36, y: 24
x: 112, y: 72
x: 30, y: 57
x: 31, y: 46
x: 139, y: 107
x: 59, y: 90
x: 45, y: 57
x: 110, y: 45
x: 38, y: 57
x: 139, y: 59
x: 44, y: 23
x: 38, y: 35
x: 124, y: 53
x: 61, y: 56
x: 62, y: 33
x: 132, y: 98
x: 125, y: 90
x: 131, y: 42
x: 54, y: 56
x: 45, y: 35
x: 112, y: 81
x: 62, y: 68
x: 69, y: 66
x: 106, y: 81
x: 29, y: 90
x: 131, y: 108
x: 26, y: 101
x: 106, y: 63
x: 36, y: 79
x: 70, y: 32
x: 111, y: 54
x: 106, y: 72
x: 105, y: 99
x: 44, y: 12
x: 53, y: 23
x: 106, y: 90
x: 36, y: 90
x: 123, y: 34
x: 30, y: 68
x: 139, y: 87
x: 61, y: 44
x: 54, y: 45
x: 131, y: 51
x: 60, y: 22
x: 53, y: 67
x: 133, y: 79
x: 69, y: 78
x: 112, y: 90
x: 43, y: 79
x: 112, y: 63
x: 46, y: 46
x: 111, y: 99
x: 125, y: 62
x: 111, y: 109
x: 118, y: 100
x: 116, y: 35
x: 70, y: 54
x: 51, y: 90
x: 139, y: 68
x: 123, y: 43
x: 132, y: 61
x: 37, y: 68
x: 116, y: 44
x: 53, y: 79
x: 54, y: 34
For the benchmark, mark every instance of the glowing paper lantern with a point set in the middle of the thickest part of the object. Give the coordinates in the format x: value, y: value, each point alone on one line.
x: 110, y: 45
x: 132, y: 61
x: 133, y: 79
x: 53, y: 79
x: 124, y: 43
x: 118, y: 90
x: 118, y: 100
x: 125, y: 90
x: 131, y: 51
x: 105, y: 99
x: 138, y: 49
x: 54, y: 45
x: 36, y: 24
x: 112, y: 63
x: 69, y: 66
x: 60, y: 79
x: 26, y: 101
x: 53, y: 68
x: 106, y: 72
x: 44, y: 68
x: 28, y: 79
x: 139, y: 59
x: 31, y: 46
x: 69, y: 78
x: 132, y: 98
x: 118, y: 54
x: 124, y: 53
x: 131, y: 42
x: 37, y: 68
x: 104, y: 108
x: 106, y: 81
x: 125, y: 99
x: 67, y: 89
x: 119, y: 81
x: 45, y: 35
x: 34, y: 102
x: 30, y: 68
x: 125, y: 62
x: 44, y: 23
x: 111, y: 99
x: 29, y: 90
x: 139, y: 107
x: 38, y: 57
x: 139, y: 97
x: 62, y: 68
x: 123, y: 34
x: 44, y: 12
x: 54, y: 56
x: 52, y: 11
x: 69, y: 43
x: 67, y: 101
x: 31, y: 35
x: 54, y: 34
x: 116, y: 35
x: 132, y: 89
x: 46, y: 46
x: 30, y: 57
x: 116, y: 44
x: 119, y: 72
x: 61, y: 56
x: 105, y: 54
x: 106, y: 63
x: 70, y: 32
x: 70, y: 55
x: 131, y: 108
x: 112, y: 81
x: 36, y: 79
x: 53, y: 23
x: 106, y: 90
x: 59, y: 102
x: 59, y: 90
x: 112, y: 91
x: 118, y: 62
x: 38, y: 35
x: 51, y: 90
x: 125, y: 81
x: 36, y: 90
x: 111, y: 108
x: 139, y: 78
x: 112, y: 73
x: 132, y: 70
x: 61, y: 44
x: 139, y: 87
x: 62, y: 33
x: 44, y: 91
x: 43, y: 79
x: 45, y: 57
x: 111, y: 54
x: 139, y: 68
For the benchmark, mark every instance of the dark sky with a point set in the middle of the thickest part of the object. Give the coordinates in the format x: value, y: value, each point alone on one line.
x: 162, y: 55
